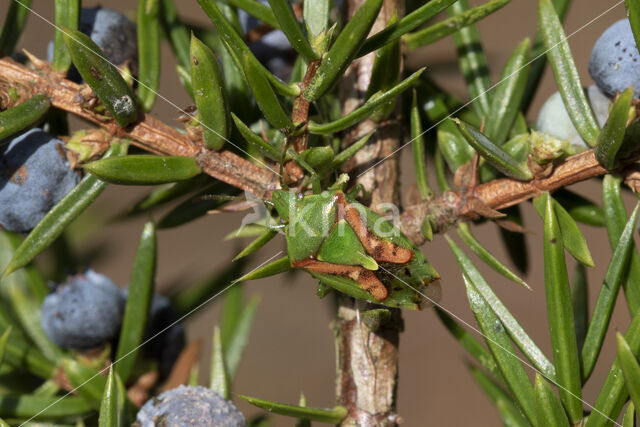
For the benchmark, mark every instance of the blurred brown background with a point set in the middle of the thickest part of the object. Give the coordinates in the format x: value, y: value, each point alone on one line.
x: 291, y: 348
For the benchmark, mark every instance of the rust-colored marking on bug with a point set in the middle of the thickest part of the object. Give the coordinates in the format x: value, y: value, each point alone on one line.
x: 380, y: 250
x: 365, y: 278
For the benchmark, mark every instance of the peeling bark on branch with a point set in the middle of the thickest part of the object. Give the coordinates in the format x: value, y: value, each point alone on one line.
x: 501, y: 193
x: 148, y: 133
x: 367, y: 354
x: 18, y: 83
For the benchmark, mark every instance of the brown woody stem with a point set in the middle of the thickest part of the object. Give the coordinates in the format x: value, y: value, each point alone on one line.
x: 18, y: 83
x: 367, y: 337
x: 501, y: 193
x: 148, y: 133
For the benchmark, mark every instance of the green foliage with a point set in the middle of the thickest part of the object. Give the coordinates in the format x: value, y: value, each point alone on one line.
x: 330, y: 416
x: 148, y: 51
x: 22, y: 116
x: 565, y: 72
x: 103, y: 77
x: 210, y: 96
x: 136, y: 314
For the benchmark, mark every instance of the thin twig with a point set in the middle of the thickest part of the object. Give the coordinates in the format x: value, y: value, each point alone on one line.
x: 148, y: 133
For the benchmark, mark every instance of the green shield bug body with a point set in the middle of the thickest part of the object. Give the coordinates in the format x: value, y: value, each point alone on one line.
x: 354, y: 250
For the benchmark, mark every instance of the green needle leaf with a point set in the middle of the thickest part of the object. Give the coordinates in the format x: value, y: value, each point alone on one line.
x: 408, y: 23
x: 289, y: 26
x: 331, y: 416
x: 464, y: 231
x: 629, y: 419
x: 177, y: 32
x: 517, y: 148
x: 144, y: 169
x: 509, y: 413
x: 257, y: 10
x: 548, y: 407
x: 105, y: 79
x: 149, y: 64
x: 112, y: 406
x: 613, y: 393
x: 565, y: 72
x: 316, y: 15
x: 3, y: 343
x: 218, y: 382
x: 515, y: 243
x: 616, y: 218
x: 539, y: 64
x: 15, y: 291
x: 67, y: 14
x: 560, y: 315
x: 507, y: 97
x: 209, y: 94
x: 22, y: 116
x: 262, y: 240
x: 419, y: 156
x: 256, y: 141
x: 454, y: 148
x: 450, y: 25
x: 581, y: 209
x: 580, y: 299
x: 350, y: 151
x: 166, y: 193
x: 469, y: 343
x: 630, y: 369
x: 22, y: 355
x: 500, y: 346
x: 612, y: 134
x: 473, y: 61
x: 451, y: 143
x: 237, y: 48
x: 239, y: 337
x: 572, y: 237
x: 87, y: 382
x: 14, y: 23
x: 386, y: 73
x: 364, y: 110
x: 344, y: 49
x: 43, y: 407
x: 494, y: 154
x: 196, y: 206
x: 607, y: 297
x: 60, y: 216
x: 265, y: 96
x: 275, y: 267
x: 508, y: 322
x: 440, y: 170
x: 136, y: 312
x: 633, y: 12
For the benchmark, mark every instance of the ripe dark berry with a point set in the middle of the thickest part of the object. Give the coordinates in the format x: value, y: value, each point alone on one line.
x: 83, y: 313
x: 189, y: 406
x: 34, y: 176
x: 167, y: 345
x: 615, y: 62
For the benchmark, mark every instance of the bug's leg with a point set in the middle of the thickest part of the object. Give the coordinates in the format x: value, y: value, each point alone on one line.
x: 365, y: 278
x: 380, y: 250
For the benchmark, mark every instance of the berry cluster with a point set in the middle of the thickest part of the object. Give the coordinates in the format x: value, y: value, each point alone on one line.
x: 614, y: 66
x: 86, y: 312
